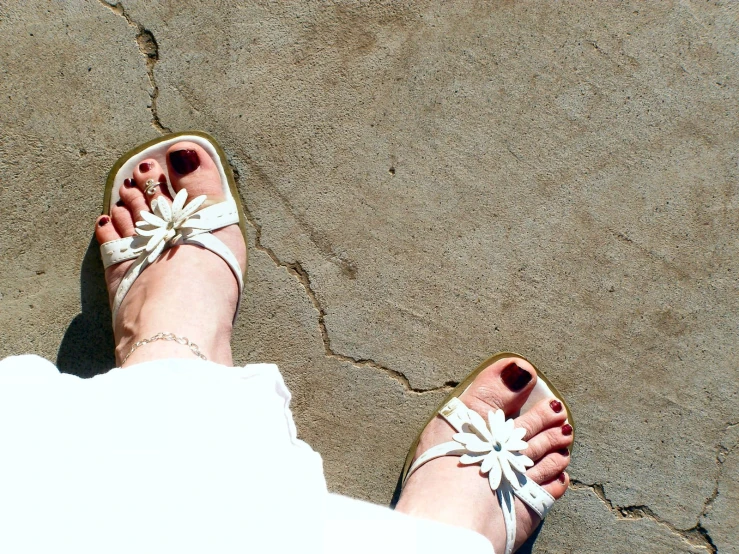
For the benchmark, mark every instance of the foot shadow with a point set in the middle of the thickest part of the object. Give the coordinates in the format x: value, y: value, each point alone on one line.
x: 528, y: 546
x: 87, y: 348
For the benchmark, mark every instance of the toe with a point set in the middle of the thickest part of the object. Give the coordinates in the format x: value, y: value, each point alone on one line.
x: 104, y: 230
x: 122, y: 219
x: 134, y: 200
x: 549, y: 467
x: 551, y: 440
x: 557, y: 486
x: 191, y: 167
x: 545, y: 414
x: 505, y: 384
x: 150, y: 180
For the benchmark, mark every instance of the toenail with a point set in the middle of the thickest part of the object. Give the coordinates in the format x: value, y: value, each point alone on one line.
x: 562, y: 478
x: 556, y: 405
x: 119, y: 203
x: 567, y: 429
x: 144, y: 167
x: 162, y: 178
x: 184, y: 161
x: 514, y: 377
x: 128, y: 183
x: 564, y: 452
x: 103, y: 221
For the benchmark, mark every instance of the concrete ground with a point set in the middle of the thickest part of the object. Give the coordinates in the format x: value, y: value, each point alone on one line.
x: 427, y: 183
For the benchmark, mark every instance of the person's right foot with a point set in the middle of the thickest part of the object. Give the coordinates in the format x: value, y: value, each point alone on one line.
x: 446, y: 491
x: 188, y: 291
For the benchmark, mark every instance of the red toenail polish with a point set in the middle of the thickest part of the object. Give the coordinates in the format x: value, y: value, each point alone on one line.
x: 556, y: 405
x: 119, y: 203
x: 128, y: 183
x: 514, y: 377
x: 564, y: 452
x: 162, y: 178
x: 561, y: 478
x: 144, y: 167
x: 567, y: 429
x: 184, y: 161
x: 103, y: 221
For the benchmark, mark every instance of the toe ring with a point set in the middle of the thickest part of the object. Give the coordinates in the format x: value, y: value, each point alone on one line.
x: 151, y: 184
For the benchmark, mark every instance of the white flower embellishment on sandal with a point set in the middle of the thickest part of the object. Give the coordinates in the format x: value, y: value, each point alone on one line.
x: 496, y: 445
x: 166, y: 224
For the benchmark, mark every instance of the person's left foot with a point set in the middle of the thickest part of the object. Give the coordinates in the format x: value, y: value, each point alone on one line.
x: 188, y: 290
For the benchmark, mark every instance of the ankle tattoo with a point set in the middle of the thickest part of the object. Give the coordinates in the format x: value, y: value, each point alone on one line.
x: 167, y: 336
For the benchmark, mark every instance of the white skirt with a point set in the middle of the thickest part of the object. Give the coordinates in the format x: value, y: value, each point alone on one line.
x: 177, y: 456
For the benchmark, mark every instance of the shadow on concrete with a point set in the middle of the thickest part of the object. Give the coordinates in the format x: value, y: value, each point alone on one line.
x: 87, y: 348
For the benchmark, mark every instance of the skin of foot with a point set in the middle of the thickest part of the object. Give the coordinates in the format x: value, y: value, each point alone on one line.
x: 188, y: 291
x: 446, y: 491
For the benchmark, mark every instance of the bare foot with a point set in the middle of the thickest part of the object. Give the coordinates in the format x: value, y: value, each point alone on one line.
x: 449, y: 492
x: 188, y: 290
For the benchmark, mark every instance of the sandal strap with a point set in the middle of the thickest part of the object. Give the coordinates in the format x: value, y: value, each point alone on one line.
x: 507, y: 503
x: 217, y: 246
x: 213, y: 217
x: 535, y: 497
x: 199, y: 226
x: 458, y: 415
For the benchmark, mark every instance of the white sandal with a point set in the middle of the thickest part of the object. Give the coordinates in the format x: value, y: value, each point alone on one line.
x: 181, y: 223
x: 495, y: 445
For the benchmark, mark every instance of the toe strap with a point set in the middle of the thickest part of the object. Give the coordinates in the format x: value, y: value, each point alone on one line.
x: 117, y: 251
x: 207, y: 219
x: 535, y: 497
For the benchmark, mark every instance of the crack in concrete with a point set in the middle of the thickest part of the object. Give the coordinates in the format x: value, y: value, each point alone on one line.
x: 296, y: 270
x: 721, y: 454
x: 149, y: 48
x: 695, y: 536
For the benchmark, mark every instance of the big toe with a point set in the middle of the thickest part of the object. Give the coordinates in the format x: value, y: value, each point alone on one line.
x: 504, y: 384
x: 192, y: 168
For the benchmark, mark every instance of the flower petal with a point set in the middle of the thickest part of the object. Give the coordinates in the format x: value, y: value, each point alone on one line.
x: 490, y: 460
x: 508, y: 472
x: 195, y: 222
x: 139, y: 243
x: 179, y: 202
x: 164, y: 209
x: 146, y: 232
x: 505, y: 430
x: 497, y: 423
x: 513, y: 445
x: 494, y: 475
x: 156, y: 238
x: 518, y: 433
x: 186, y: 232
x: 471, y: 442
x: 155, y: 253
x: 518, y: 461
x: 471, y: 459
x: 192, y: 207
x: 153, y: 219
x: 478, y: 425
x: 527, y: 462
